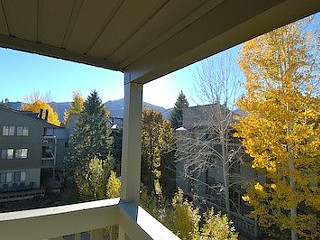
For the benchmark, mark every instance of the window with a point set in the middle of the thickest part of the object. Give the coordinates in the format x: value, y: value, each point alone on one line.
x: 22, y: 131
x: 9, y: 177
x: 235, y: 199
x: 11, y: 130
x: 19, y: 176
x: 22, y: 153
x: 3, y: 177
x: 7, y: 153
x: 48, y: 132
x: 4, y: 154
x: 8, y: 130
x: 23, y: 176
x: 5, y: 130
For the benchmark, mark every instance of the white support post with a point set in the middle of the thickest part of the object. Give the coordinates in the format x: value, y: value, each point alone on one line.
x: 97, y: 234
x: 131, y: 143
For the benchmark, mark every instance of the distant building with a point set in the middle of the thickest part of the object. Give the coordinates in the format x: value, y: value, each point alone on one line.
x: 32, y: 151
x: 203, y: 183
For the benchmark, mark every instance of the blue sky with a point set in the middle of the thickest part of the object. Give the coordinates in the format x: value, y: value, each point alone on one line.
x: 23, y: 73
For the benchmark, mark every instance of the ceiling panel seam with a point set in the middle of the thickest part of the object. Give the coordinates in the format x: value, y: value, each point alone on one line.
x: 72, y: 22
x: 39, y: 19
x: 105, y: 24
x: 6, y: 14
x: 147, y: 19
x: 188, y: 20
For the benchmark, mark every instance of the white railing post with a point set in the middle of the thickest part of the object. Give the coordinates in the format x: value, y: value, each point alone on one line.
x: 114, y: 231
x: 122, y: 234
x: 77, y: 236
x: 131, y: 143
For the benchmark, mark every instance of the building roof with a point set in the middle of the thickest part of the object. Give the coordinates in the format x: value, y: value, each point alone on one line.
x: 142, y: 38
x: 28, y: 115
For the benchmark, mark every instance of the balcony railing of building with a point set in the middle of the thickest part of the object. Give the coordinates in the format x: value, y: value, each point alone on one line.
x: 47, y: 162
x: 48, y: 140
x: 93, y: 217
x: 246, y: 226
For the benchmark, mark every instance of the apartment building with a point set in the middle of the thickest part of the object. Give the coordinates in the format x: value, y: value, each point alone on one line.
x: 199, y: 166
x: 31, y: 150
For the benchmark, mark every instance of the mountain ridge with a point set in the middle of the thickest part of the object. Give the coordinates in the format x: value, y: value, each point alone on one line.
x: 116, y: 108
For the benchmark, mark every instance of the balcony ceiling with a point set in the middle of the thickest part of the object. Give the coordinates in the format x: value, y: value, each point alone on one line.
x: 142, y: 38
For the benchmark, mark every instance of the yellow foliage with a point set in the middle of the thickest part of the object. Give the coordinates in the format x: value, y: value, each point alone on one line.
x: 185, y: 219
x: 37, y: 105
x: 113, y: 186
x: 217, y: 227
x: 186, y: 222
x: 91, y: 181
x: 281, y: 129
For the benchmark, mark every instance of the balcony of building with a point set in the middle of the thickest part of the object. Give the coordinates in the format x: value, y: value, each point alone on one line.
x: 48, y: 140
x: 145, y: 40
x: 48, y: 156
x: 104, y: 219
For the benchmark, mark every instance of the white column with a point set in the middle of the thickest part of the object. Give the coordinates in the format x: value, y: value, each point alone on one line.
x: 131, y: 143
x: 97, y: 234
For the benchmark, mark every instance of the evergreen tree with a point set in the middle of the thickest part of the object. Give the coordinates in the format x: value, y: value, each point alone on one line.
x: 281, y: 129
x: 176, y: 117
x: 92, y: 136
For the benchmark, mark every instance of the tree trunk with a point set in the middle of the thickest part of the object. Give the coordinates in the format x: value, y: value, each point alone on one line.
x: 293, y: 209
x: 225, y: 171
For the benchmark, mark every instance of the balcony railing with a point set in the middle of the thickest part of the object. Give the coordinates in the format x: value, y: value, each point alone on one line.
x: 48, y: 140
x: 47, y: 162
x: 92, y: 217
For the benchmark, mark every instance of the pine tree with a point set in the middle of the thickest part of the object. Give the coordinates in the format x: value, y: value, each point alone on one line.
x: 92, y: 136
x: 281, y: 130
x: 176, y: 117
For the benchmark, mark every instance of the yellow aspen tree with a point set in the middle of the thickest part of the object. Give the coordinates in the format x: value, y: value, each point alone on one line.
x: 281, y: 129
x: 76, y: 106
x: 37, y: 105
